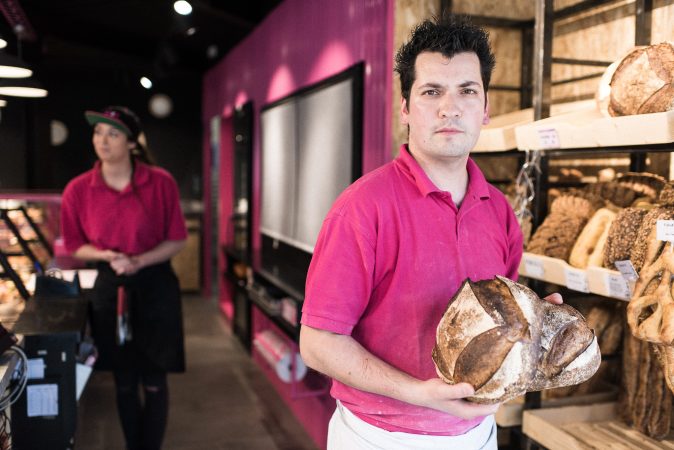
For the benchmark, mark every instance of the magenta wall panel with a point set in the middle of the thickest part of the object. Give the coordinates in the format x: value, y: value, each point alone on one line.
x: 300, y: 43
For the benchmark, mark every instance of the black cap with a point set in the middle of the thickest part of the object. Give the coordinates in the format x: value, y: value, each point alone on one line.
x: 119, y: 117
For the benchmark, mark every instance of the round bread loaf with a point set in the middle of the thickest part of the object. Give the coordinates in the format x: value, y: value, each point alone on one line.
x: 643, y: 82
x: 498, y: 336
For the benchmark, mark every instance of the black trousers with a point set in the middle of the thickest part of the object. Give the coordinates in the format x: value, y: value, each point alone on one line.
x: 143, y: 418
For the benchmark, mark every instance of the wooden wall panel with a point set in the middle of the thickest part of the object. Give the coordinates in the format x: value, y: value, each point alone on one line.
x: 602, y: 34
x: 662, y: 28
x: 506, y: 44
x: 407, y: 14
x: 510, y: 9
x: 501, y: 102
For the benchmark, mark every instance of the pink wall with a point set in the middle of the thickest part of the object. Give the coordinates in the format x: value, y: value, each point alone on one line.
x: 300, y: 43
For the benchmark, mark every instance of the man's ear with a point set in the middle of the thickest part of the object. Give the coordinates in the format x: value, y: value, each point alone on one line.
x: 485, y: 117
x: 404, y: 112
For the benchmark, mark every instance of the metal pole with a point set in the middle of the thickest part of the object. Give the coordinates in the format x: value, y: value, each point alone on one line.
x: 542, y: 58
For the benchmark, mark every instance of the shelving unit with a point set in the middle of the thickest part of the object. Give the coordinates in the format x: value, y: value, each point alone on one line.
x: 584, y: 132
x: 23, y: 242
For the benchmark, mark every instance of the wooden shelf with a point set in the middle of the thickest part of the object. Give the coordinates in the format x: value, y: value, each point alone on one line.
x: 586, y: 427
x: 595, y: 280
x: 591, y: 129
x: 499, y: 135
x: 510, y: 413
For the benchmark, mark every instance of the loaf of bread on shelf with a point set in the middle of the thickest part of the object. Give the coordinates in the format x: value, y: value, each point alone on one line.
x: 646, y: 184
x: 666, y: 197
x: 620, y: 195
x: 647, y: 247
x: 498, y: 336
x: 569, y: 213
x: 645, y: 402
x: 589, y: 246
x: 643, y: 81
x: 622, y: 234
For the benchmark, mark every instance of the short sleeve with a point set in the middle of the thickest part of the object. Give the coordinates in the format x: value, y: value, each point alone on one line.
x: 515, y: 245
x: 340, y: 277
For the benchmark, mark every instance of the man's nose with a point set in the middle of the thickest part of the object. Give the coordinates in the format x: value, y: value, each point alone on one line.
x: 449, y: 107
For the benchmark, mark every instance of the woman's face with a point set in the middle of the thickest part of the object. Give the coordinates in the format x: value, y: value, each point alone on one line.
x: 111, y: 144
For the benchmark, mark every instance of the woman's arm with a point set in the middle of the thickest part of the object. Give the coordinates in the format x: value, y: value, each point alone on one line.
x: 131, y: 264
x: 341, y: 357
x: 88, y: 252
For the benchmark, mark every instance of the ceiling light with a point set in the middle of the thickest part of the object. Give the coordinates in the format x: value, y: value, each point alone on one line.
x: 3, y: 43
x: 146, y: 82
x: 191, y: 31
x: 12, y: 67
x: 212, y: 51
x: 3, y: 103
x: 25, y: 87
x: 182, y: 7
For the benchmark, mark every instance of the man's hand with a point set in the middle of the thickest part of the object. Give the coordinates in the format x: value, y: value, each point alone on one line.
x: 437, y: 394
x: 555, y: 298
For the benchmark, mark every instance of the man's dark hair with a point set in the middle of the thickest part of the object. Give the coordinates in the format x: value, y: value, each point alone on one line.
x: 448, y: 35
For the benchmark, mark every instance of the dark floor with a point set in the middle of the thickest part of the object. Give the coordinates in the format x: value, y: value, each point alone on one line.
x: 223, y: 401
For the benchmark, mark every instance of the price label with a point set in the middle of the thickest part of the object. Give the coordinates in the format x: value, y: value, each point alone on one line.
x: 617, y: 286
x: 665, y: 230
x: 548, y: 138
x: 534, y: 267
x: 576, y: 279
x: 627, y: 270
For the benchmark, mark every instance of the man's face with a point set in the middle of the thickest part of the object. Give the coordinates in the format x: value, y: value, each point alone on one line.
x: 447, y: 106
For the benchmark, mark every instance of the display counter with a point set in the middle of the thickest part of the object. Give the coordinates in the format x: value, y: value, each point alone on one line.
x: 45, y: 414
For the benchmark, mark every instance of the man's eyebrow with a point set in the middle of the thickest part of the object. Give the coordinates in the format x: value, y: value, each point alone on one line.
x: 431, y: 84
x: 470, y: 83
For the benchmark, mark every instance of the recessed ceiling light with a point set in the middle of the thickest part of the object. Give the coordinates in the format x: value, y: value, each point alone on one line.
x: 3, y: 43
x: 182, y: 7
x: 191, y: 31
x: 146, y: 82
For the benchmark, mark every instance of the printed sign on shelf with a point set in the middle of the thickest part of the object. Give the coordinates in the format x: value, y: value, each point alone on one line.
x: 627, y: 270
x: 576, y: 279
x: 665, y: 230
x: 534, y: 267
x: 617, y: 286
x: 548, y: 138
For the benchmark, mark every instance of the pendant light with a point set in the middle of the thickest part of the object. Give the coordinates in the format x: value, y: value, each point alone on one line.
x: 22, y: 87
x: 13, y: 67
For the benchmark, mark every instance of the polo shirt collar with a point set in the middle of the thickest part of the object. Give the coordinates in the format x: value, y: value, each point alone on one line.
x: 477, y: 184
x: 141, y: 175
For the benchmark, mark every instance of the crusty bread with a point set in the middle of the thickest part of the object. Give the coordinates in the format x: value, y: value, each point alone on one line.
x: 643, y: 82
x: 501, y: 338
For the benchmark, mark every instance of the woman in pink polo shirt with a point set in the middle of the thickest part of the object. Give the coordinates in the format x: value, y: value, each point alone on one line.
x: 124, y: 215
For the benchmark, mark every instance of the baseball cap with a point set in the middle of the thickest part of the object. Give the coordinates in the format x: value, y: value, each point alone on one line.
x: 119, y: 117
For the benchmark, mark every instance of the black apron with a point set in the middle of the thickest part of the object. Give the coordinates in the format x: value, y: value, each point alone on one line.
x: 153, y: 296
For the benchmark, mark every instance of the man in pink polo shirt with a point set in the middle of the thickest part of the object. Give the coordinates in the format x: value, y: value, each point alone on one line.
x: 397, y: 245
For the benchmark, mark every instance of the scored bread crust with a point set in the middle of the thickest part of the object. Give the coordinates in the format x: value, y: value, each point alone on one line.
x: 498, y: 336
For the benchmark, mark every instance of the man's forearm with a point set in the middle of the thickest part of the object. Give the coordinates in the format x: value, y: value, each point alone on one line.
x: 342, y: 358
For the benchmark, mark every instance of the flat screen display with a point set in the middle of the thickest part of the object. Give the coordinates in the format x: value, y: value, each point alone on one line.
x: 311, y: 152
